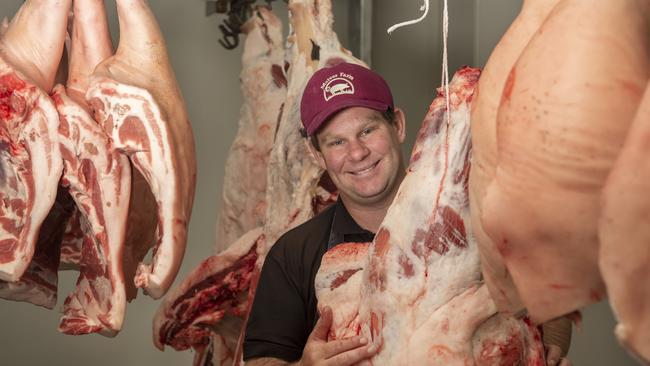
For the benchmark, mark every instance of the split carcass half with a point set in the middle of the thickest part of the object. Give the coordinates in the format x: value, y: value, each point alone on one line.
x: 30, y: 161
x: 138, y: 103
x: 264, y: 89
x: 99, y: 180
x: 625, y: 236
x: 296, y: 187
x: 557, y: 139
x: 416, y: 291
x: 484, y: 143
x: 213, y: 330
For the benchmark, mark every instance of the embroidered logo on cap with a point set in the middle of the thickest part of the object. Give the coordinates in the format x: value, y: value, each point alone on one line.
x: 337, y: 84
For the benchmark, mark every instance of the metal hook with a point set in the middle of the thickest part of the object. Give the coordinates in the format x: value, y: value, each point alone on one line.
x: 230, y: 39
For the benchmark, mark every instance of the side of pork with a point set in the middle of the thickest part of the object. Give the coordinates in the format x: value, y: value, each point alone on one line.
x: 263, y: 88
x: 137, y: 101
x: 30, y: 50
x: 484, y: 143
x: 624, y: 235
x: 557, y: 138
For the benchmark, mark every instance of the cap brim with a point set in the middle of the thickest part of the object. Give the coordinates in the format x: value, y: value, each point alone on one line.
x: 326, y: 113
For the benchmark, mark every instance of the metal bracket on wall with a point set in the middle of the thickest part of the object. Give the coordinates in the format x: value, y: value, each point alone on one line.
x: 361, y: 29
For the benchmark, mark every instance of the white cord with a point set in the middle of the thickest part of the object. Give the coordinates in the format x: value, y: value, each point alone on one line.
x: 445, y: 62
x: 424, y: 8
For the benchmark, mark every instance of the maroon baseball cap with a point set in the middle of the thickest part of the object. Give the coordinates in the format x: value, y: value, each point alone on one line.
x: 341, y: 86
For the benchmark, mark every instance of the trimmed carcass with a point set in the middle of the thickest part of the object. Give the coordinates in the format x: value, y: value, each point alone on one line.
x: 137, y: 101
x: 484, y: 157
x: 625, y: 236
x: 30, y: 161
x: 557, y: 139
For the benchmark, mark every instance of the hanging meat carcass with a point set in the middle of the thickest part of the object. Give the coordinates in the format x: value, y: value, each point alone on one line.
x: 137, y: 101
x: 427, y: 266
x: 624, y: 236
x: 484, y: 157
x: 263, y: 91
x: 296, y: 189
x: 99, y: 180
x: 263, y: 88
x: 557, y: 138
x: 30, y: 161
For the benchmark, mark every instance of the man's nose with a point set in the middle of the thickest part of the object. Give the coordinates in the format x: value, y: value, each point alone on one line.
x: 358, y: 150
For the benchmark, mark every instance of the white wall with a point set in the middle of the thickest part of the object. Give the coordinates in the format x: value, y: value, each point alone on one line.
x: 410, y: 60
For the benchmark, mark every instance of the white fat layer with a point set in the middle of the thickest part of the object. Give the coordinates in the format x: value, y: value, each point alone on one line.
x: 104, y: 297
x: 39, y: 132
x: 156, y: 165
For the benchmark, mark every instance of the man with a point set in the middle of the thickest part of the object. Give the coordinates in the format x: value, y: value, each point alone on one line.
x: 355, y: 133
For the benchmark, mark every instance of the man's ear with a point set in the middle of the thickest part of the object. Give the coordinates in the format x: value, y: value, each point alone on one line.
x: 400, y: 124
x: 318, y: 156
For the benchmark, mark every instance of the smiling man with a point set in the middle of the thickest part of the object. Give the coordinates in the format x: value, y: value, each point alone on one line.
x: 355, y: 134
x: 355, y: 131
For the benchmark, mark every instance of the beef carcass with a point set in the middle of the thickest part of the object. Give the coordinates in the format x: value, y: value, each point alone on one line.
x: 263, y: 88
x: 296, y: 189
x: 38, y: 285
x: 557, y: 139
x: 427, y: 265
x: 99, y: 180
x: 202, y: 327
x: 30, y: 161
x: 624, y: 236
x: 138, y: 103
x: 484, y: 156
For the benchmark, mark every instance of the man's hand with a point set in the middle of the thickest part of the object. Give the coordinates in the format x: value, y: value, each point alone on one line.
x: 554, y: 356
x: 319, y: 352
x: 557, y: 339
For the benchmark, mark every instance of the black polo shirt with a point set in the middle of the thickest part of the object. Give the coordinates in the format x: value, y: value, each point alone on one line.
x: 284, y: 309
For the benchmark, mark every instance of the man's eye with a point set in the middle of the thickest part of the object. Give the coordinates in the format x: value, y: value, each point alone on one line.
x: 366, y: 131
x: 336, y: 142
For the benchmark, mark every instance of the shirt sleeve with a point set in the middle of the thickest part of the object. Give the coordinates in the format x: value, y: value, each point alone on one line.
x: 277, y: 325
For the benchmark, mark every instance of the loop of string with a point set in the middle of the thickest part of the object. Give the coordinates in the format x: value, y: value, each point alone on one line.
x: 424, y: 8
x: 445, y: 35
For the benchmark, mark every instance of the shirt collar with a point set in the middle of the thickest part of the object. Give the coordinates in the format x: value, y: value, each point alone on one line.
x: 345, y: 229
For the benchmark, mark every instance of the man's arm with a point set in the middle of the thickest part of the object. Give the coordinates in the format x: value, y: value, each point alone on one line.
x: 319, y: 352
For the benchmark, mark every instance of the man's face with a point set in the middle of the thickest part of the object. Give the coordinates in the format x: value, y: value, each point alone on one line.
x: 361, y: 152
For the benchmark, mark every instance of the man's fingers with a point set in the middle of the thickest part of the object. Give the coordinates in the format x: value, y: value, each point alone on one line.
x: 352, y: 356
x: 553, y: 354
x: 333, y: 348
x: 322, y: 327
x: 565, y: 362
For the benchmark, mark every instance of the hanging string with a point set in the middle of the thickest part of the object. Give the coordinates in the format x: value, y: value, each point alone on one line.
x: 445, y: 62
x: 424, y: 8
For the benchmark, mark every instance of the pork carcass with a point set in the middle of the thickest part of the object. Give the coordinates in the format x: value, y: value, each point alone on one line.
x: 557, y: 138
x: 264, y: 89
x: 137, y: 101
x: 30, y: 161
x: 484, y: 156
x: 625, y: 234
x: 416, y: 292
x: 99, y: 181
x: 38, y: 285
